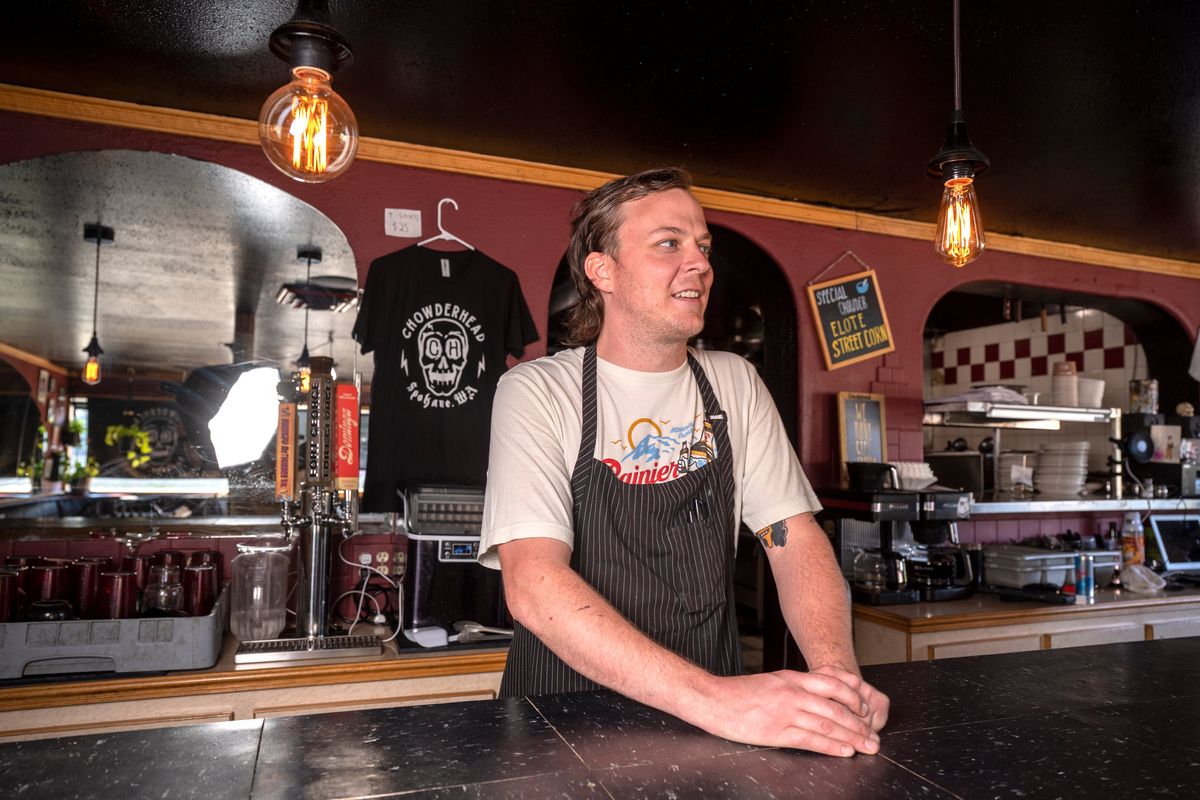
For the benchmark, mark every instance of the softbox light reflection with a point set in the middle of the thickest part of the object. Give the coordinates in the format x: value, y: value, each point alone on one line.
x: 246, y: 421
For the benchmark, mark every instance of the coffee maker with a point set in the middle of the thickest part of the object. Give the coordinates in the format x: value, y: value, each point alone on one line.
x: 886, y: 510
x: 934, y: 566
x: 939, y: 567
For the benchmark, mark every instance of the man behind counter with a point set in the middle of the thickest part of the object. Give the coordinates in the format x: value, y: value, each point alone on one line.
x: 617, y: 543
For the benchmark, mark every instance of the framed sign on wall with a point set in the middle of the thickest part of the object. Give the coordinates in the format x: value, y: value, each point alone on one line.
x: 851, y: 321
x: 862, y: 429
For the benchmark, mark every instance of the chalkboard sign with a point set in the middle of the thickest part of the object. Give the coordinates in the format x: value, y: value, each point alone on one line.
x: 850, y: 318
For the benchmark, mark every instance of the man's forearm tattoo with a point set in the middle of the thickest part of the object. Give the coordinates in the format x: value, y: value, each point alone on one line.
x: 774, y: 535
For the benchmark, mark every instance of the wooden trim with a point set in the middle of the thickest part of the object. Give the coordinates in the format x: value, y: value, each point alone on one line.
x: 112, y: 690
x: 1021, y: 613
x: 931, y: 650
x: 270, y: 712
x: 1115, y: 627
x: 37, y: 361
x: 61, y: 105
x: 97, y: 726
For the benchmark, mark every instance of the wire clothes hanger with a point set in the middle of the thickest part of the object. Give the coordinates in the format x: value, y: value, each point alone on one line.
x: 444, y: 235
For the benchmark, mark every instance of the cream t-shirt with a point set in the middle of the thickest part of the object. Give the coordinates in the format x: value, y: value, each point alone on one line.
x: 651, y: 429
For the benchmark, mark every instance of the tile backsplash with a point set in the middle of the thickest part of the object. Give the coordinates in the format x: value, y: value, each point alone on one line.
x: 1022, y: 354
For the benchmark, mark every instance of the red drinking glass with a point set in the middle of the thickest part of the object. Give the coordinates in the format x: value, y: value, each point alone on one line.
x: 107, y: 563
x: 23, y: 561
x: 9, y: 579
x: 46, y: 582
x: 85, y: 587
x: 140, y: 566
x: 170, y: 558
x: 199, y: 589
x: 118, y: 595
x: 207, y: 557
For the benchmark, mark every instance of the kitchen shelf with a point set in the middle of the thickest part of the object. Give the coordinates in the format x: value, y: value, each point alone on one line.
x: 1021, y: 416
x: 982, y: 414
x: 1082, y: 505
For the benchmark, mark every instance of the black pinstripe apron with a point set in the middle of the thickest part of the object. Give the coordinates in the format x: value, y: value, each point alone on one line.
x: 661, y: 553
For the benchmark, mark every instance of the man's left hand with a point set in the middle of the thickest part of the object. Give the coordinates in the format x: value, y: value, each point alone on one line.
x: 877, y: 702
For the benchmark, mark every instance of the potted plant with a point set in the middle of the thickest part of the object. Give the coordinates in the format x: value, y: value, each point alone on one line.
x: 35, y: 468
x: 133, y: 440
x: 79, y: 475
x: 74, y: 434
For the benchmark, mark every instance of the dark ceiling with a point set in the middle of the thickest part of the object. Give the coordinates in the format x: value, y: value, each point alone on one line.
x: 1089, y: 111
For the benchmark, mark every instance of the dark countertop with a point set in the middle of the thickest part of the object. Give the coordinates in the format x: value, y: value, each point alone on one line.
x: 1116, y: 720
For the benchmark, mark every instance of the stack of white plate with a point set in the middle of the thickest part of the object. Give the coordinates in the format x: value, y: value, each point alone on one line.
x: 1018, y: 464
x: 1064, y: 384
x: 1061, y: 468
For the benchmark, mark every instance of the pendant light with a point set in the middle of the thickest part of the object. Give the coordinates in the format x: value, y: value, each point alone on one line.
x: 960, y: 238
x: 303, y: 363
x: 101, y: 235
x: 306, y: 129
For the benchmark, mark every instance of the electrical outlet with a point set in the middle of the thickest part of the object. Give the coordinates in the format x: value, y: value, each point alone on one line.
x: 382, y: 557
x: 399, y: 558
x: 383, y: 568
x: 364, y: 559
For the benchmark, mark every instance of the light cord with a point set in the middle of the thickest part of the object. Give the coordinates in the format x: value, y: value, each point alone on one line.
x: 96, y: 289
x: 307, y: 288
x: 957, y: 62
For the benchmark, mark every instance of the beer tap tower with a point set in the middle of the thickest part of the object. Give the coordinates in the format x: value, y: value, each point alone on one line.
x: 318, y: 503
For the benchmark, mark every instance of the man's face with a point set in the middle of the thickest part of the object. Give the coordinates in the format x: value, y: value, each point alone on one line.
x: 656, y: 285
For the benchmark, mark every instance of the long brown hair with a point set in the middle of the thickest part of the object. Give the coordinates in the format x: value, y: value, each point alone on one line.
x: 595, y: 220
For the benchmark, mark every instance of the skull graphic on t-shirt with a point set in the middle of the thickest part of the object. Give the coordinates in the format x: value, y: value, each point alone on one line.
x: 442, y: 346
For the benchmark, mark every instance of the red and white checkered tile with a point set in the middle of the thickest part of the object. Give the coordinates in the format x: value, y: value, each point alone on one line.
x: 1021, y: 353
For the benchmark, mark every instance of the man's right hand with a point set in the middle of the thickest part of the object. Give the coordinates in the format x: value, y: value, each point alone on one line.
x: 803, y: 710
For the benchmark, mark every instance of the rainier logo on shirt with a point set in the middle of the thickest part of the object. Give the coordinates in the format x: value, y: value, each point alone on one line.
x: 657, y: 452
x: 445, y: 369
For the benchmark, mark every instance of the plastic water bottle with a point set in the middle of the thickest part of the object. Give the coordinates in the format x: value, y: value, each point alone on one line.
x: 1133, y: 540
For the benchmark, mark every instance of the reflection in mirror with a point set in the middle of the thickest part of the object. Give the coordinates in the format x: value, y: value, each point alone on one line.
x: 19, y: 420
x: 202, y: 286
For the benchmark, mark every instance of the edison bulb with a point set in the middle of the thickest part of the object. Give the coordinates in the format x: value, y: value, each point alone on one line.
x: 960, y: 238
x: 91, y: 371
x: 306, y: 129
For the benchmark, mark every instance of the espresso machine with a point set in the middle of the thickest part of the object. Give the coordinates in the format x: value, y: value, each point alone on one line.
x: 939, y: 567
x: 319, y: 503
x: 886, y: 510
x: 872, y: 528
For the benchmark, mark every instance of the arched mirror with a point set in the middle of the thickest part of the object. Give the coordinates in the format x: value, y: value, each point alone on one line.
x: 202, y: 282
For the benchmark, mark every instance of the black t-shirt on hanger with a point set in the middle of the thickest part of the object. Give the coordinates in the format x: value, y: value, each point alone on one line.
x: 441, y: 325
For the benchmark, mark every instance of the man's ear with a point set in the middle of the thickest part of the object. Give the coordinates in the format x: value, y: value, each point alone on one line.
x: 598, y: 268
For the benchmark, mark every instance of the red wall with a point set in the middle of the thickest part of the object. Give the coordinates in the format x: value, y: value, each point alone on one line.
x: 525, y: 227
x: 29, y: 371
